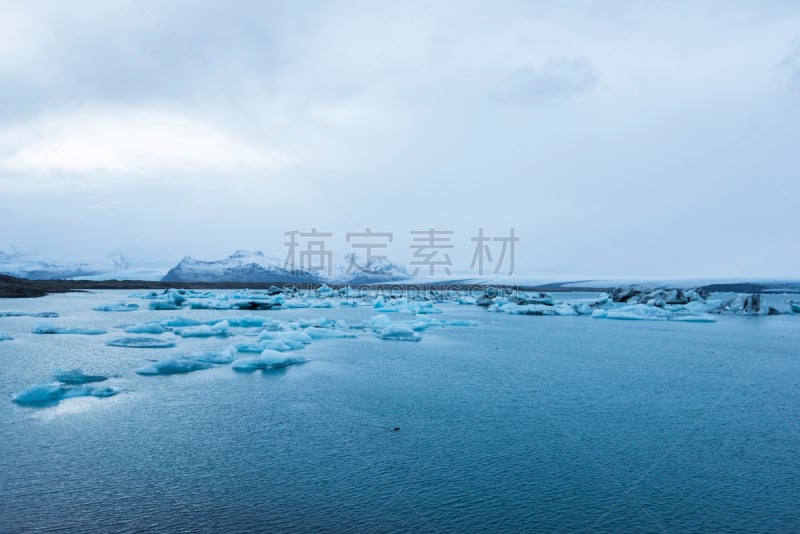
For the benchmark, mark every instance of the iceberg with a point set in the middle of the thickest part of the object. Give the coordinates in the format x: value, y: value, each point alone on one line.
x: 76, y: 376
x: 746, y: 305
x: 795, y: 306
x: 151, y: 327
x: 163, y: 305
x: 644, y: 312
x: 220, y: 329
x: 268, y: 360
x: 5, y: 337
x: 43, y: 394
x: 329, y: 333
x: 42, y: 315
x: 141, y: 343
x: 399, y: 333
x: 47, y: 328
x: 180, y: 321
x: 171, y: 366
x: 118, y: 307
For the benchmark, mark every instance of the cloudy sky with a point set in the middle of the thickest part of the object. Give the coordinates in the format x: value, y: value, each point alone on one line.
x: 616, y: 138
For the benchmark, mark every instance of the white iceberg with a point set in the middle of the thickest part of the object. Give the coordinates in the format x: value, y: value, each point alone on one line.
x: 151, y: 327
x: 220, y: 329
x: 644, y: 312
x: 269, y: 359
x: 47, y: 328
x: 76, y: 376
x: 399, y: 333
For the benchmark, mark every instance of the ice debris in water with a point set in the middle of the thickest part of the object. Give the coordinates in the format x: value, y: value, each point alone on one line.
x: 269, y: 359
x: 399, y: 333
x: 42, y: 394
x: 141, y: 343
x: 76, y: 376
x: 5, y: 337
x: 118, y: 307
x: 47, y: 328
x: 151, y: 327
x: 220, y: 329
x: 171, y: 366
x: 644, y: 312
x: 187, y: 363
x: 28, y: 314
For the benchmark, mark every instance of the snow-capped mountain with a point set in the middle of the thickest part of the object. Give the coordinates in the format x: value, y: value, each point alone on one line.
x: 116, y: 266
x: 246, y: 266
x: 372, y: 272
x: 241, y: 266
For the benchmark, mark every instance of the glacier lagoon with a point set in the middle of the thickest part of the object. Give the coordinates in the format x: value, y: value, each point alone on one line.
x: 491, y: 421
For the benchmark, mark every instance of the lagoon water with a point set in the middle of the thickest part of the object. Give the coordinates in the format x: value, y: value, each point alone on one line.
x: 519, y: 424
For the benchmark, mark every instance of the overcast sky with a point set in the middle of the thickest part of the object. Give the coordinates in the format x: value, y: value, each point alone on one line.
x: 616, y: 138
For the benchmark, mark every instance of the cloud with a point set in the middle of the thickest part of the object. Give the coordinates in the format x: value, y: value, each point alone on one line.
x: 792, y: 63
x: 130, y: 141
x: 563, y: 77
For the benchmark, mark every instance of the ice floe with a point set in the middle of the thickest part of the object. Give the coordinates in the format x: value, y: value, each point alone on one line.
x: 118, y: 307
x: 269, y: 359
x: 5, y: 337
x: 76, y: 376
x: 47, y: 328
x: 44, y: 394
x: 141, y: 343
x: 174, y: 365
x: 644, y: 312
x: 399, y: 333
x: 220, y: 329
x: 12, y: 313
x: 151, y: 327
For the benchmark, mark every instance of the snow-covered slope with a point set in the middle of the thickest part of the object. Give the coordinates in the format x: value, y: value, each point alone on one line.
x: 241, y: 266
x: 115, y: 266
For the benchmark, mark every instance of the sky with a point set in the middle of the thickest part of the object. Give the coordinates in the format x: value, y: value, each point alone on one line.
x: 616, y: 138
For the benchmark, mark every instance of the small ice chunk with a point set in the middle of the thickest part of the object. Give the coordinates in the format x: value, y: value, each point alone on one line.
x: 151, y: 327
x: 5, y: 337
x: 28, y: 314
x: 180, y: 321
x: 171, y: 366
x: 329, y: 333
x: 268, y: 360
x: 220, y: 329
x: 118, y: 307
x: 42, y: 394
x: 76, y: 376
x: 141, y: 343
x: 47, y: 328
x: 399, y: 333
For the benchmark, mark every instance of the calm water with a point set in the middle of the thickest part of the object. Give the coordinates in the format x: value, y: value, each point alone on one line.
x: 519, y: 424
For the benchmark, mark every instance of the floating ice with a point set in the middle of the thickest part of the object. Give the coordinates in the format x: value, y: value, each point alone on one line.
x: 47, y: 328
x: 212, y: 304
x: 747, y: 305
x: 795, y: 306
x: 329, y: 333
x: 118, y: 307
x: 53, y: 393
x: 180, y: 321
x: 163, y: 305
x: 269, y: 359
x: 399, y: 333
x: 220, y: 329
x: 172, y: 366
x: 151, y: 327
x: 5, y: 337
x: 76, y: 376
x: 28, y: 314
x: 644, y: 312
x: 141, y: 343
